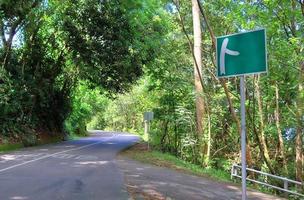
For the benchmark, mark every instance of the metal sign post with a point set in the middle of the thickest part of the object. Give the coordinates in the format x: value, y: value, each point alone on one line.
x: 243, y: 136
x: 237, y: 55
x: 147, y: 132
x: 148, y: 116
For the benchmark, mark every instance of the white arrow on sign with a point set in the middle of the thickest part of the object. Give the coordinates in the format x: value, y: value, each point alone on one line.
x: 225, y: 51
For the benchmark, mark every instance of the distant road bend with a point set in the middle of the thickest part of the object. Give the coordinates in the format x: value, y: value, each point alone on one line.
x: 83, y: 169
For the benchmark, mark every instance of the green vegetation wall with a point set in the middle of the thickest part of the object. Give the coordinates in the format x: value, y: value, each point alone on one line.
x: 52, y: 53
x: 274, y: 101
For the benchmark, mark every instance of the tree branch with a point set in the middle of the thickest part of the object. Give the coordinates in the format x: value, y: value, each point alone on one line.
x: 2, y: 34
x: 223, y: 82
x: 189, y: 41
x: 301, y: 2
x: 207, y: 24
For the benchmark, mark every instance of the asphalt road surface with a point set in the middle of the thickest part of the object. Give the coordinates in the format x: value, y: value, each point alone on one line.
x: 157, y: 183
x: 86, y: 169
x: 83, y: 169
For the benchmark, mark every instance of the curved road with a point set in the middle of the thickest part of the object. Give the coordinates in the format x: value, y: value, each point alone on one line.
x: 83, y: 169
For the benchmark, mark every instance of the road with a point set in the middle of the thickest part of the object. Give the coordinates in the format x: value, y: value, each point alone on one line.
x: 83, y: 169
x: 87, y: 169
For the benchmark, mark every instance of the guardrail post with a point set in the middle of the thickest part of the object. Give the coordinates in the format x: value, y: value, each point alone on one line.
x: 286, y: 188
x: 232, y: 171
x: 285, y: 184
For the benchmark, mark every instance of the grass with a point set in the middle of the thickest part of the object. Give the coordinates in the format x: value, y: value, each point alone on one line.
x: 7, y: 147
x: 10, y: 147
x: 178, y: 163
x: 139, y: 152
x: 74, y: 137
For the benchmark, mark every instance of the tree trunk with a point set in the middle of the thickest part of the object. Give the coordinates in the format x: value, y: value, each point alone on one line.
x: 281, y: 148
x: 208, y: 148
x: 300, y: 126
x: 227, y: 92
x: 196, y: 53
x: 261, y: 133
x: 236, y: 119
x: 199, y: 101
x: 302, y: 8
x: 197, y: 67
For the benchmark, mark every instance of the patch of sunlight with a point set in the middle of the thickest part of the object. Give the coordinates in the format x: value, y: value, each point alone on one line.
x: 8, y: 157
x: 69, y: 146
x: 33, y: 155
x: 19, y: 198
x: 127, y: 135
x: 232, y: 187
x: 86, y: 157
x: 153, y: 193
x: 92, y: 163
x: 134, y: 175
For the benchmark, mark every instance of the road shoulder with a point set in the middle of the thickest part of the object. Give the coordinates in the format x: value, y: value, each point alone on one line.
x: 147, y: 182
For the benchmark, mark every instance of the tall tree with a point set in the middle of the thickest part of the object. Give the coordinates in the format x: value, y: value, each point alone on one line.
x: 13, y: 16
x: 197, y: 35
x: 300, y: 125
x: 224, y: 83
x: 281, y: 148
x: 261, y: 133
x: 300, y: 104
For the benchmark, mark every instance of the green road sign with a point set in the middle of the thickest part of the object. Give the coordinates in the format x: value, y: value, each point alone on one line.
x: 148, y: 116
x: 241, y: 54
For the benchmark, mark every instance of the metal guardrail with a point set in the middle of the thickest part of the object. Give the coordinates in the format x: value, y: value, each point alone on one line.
x: 237, y: 168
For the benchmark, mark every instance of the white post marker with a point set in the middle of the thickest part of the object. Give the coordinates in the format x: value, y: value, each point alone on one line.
x: 243, y: 136
x: 147, y: 132
x: 247, y: 57
x: 148, y: 116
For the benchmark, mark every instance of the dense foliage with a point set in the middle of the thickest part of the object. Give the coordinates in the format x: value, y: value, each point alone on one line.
x: 48, y: 48
x: 274, y: 100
